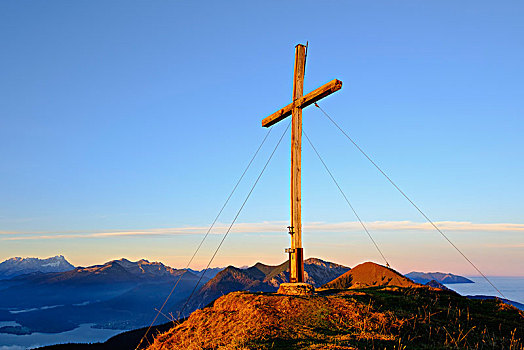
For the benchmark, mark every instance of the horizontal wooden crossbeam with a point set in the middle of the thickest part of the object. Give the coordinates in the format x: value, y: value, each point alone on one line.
x: 306, y: 100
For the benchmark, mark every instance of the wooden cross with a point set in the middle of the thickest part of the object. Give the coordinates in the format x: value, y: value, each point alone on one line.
x: 296, y: 256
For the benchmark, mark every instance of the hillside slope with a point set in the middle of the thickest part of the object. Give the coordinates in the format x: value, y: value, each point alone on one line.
x: 370, y: 274
x: 381, y: 317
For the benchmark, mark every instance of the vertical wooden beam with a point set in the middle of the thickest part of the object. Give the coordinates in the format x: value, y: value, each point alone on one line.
x: 296, y: 254
x: 297, y: 260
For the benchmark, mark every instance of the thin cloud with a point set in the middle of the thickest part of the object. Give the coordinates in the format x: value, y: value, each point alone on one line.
x: 409, y: 225
x: 272, y: 227
x: 509, y: 245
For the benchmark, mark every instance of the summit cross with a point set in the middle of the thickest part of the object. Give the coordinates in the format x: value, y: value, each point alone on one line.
x: 296, y: 255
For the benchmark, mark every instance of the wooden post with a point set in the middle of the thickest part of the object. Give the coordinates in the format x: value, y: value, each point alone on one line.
x: 296, y: 255
x: 297, y: 261
x: 308, y: 99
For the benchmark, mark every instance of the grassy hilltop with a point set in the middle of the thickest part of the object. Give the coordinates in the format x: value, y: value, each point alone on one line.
x: 371, y: 318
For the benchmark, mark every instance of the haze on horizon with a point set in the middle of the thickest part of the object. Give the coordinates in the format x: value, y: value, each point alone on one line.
x: 123, y: 127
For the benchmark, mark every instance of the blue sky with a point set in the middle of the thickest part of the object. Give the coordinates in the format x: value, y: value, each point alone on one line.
x: 138, y: 117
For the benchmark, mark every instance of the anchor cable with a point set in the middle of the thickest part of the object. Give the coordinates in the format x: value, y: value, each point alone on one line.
x: 345, y: 197
x: 234, y: 220
x: 410, y: 201
x: 159, y: 311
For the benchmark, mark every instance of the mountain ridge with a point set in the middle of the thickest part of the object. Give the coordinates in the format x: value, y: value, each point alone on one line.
x: 17, y: 266
x: 441, y: 277
x: 105, y: 295
x: 262, y: 278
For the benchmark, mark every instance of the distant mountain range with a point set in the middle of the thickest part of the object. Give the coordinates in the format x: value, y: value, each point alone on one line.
x: 370, y: 299
x: 20, y: 266
x: 444, y: 278
x: 119, y: 294
x: 262, y: 278
x: 209, y: 273
x: 51, y: 295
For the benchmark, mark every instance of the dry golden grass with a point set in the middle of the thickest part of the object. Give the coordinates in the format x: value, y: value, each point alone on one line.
x: 381, y: 318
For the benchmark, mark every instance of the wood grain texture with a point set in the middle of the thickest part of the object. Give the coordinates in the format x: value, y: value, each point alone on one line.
x: 296, y: 255
x: 296, y: 273
x: 310, y: 98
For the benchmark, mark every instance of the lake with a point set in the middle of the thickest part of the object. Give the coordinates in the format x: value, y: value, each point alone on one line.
x: 511, y: 287
x: 83, y: 334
